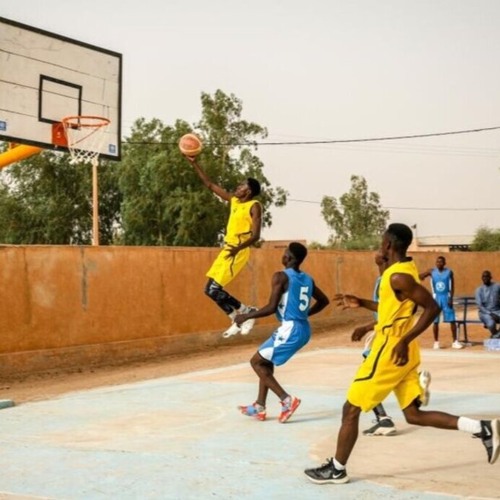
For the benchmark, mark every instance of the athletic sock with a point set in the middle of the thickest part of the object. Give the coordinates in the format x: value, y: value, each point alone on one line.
x: 469, y: 425
x: 338, y: 465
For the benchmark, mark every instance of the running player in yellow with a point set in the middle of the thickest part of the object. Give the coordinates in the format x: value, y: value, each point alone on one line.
x: 242, y: 231
x: 392, y: 365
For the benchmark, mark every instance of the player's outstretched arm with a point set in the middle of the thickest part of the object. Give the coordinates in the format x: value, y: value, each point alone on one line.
x: 279, y: 283
x: 215, y: 188
x: 347, y: 301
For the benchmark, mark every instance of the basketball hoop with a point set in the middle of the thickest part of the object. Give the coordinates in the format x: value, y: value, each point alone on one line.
x: 85, y: 136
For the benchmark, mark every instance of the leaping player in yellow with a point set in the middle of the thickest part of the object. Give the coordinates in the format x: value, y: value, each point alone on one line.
x: 242, y: 231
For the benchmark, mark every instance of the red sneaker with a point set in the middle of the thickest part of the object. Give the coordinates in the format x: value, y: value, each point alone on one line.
x: 254, y: 410
x: 289, y: 405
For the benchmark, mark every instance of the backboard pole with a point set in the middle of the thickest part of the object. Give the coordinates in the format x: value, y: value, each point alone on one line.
x: 95, y: 203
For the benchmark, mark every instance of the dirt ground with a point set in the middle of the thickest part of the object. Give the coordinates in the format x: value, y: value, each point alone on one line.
x: 48, y: 385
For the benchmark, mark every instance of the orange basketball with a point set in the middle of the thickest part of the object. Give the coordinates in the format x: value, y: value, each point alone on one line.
x: 190, y: 145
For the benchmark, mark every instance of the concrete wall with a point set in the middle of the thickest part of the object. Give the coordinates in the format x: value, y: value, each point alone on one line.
x: 68, y: 306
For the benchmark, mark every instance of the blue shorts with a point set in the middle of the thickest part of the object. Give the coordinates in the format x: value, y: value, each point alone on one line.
x: 290, y: 337
x: 448, y: 312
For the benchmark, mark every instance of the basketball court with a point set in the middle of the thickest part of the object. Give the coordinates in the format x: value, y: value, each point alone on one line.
x: 182, y: 437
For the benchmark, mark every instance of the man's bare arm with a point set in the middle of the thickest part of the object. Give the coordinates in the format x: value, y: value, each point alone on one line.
x: 215, y: 188
x: 405, y: 287
x: 321, y: 300
x: 278, y: 286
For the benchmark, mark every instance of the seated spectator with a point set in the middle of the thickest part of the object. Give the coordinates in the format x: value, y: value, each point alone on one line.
x: 488, y: 302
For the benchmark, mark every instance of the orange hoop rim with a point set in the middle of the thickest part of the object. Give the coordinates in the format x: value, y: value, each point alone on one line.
x: 78, y: 121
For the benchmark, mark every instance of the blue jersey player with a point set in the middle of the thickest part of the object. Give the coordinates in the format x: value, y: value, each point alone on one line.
x: 291, y: 294
x: 443, y: 288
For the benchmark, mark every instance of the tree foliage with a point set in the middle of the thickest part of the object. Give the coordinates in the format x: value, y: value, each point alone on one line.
x: 486, y: 240
x: 151, y: 197
x: 44, y: 199
x: 356, y: 219
x: 164, y: 201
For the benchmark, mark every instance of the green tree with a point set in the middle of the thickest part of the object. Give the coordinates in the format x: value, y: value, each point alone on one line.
x: 486, y: 240
x: 152, y: 197
x: 45, y: 200
x: 356, y: 219
x: 164, y: 202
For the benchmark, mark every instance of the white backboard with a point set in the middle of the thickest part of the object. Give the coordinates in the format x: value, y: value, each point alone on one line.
x: 45, y: 77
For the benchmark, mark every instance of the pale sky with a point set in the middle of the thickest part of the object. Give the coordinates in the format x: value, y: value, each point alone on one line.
x: 321, y: 70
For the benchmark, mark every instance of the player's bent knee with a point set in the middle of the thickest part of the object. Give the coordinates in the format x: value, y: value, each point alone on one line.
x: 350, y: 412
x: 412, y: 414
x: 213, y: 290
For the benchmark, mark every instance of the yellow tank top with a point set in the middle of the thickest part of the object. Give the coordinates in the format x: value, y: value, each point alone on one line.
x: 396, y: 317
x: 239, y: 225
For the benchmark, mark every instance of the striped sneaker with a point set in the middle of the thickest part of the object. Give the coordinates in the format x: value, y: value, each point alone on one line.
x: 254, y: 410
x: 490, y: 436
x: 234, y: 329
x: 383, y: 427
x: 327, y: 473
x: 247, y: 325
x: 288, y: 407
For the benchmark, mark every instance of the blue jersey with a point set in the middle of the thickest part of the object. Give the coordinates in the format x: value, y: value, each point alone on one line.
x: 293, y: 312
x: 295, y: 302
x: 441, y: 282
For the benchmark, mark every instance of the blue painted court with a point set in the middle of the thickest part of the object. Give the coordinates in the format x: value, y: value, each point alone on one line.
x: 182, y: 438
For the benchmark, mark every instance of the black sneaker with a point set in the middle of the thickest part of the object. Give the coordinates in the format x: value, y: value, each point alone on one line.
x: 490, y: 436
x: 384, y: 427
x: 327, y: 473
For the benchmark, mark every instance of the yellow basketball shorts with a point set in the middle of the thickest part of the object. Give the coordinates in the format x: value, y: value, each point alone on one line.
x: 378, y: 376
x: 225, y: 268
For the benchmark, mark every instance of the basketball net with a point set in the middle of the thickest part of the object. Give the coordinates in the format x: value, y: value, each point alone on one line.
x: 85, y: 136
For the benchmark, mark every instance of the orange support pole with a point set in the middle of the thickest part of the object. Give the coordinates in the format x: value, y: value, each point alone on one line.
x: 18, y: 153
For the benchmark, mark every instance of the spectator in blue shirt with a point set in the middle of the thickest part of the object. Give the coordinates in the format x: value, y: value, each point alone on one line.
x: 488, y: 303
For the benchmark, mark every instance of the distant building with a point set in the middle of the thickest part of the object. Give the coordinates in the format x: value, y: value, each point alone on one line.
x: 441, y: 243
x: 280, y: 243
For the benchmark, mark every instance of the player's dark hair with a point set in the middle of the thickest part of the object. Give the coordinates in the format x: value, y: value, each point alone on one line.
x: 254, y: 186
x: 400, y: 235
x: 298, y: 250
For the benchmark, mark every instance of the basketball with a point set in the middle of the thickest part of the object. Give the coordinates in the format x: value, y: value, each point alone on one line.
x: 190, y: 145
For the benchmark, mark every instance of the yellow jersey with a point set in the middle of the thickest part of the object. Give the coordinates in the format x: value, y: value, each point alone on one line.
x: 395, y: 317
x: 378, y: 375
x: 239, y: 224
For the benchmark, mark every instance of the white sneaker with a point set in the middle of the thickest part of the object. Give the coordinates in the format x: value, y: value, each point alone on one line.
x: 425, y: 381
x: 457, y: 345
x: 436, y: 345
x: 247, y: 325
x: 234, y: 329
